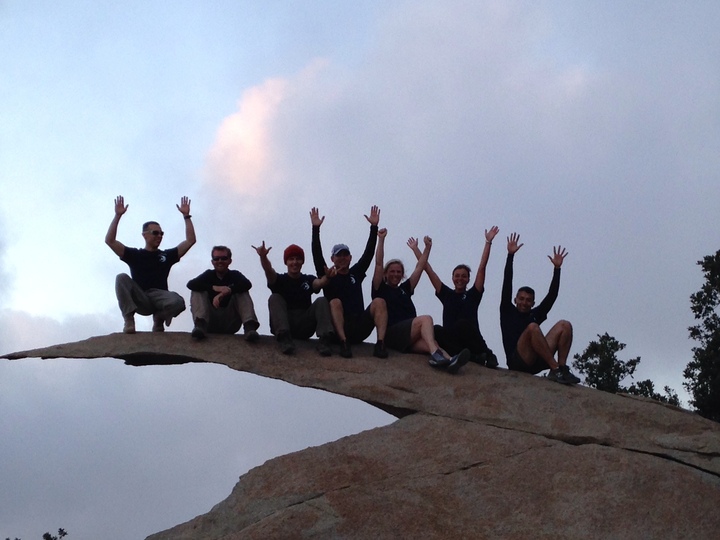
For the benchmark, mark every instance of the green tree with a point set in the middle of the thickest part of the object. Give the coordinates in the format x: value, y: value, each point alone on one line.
x: 702, y: 373
x: 601, y: 367
x: 603, y: 370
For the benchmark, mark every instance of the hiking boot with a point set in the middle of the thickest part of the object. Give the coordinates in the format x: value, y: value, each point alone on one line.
x: 438, y: 361
x: 129, y: 326
x: 491, y: 360
x: 285, y: 341
x: 569, y: 375
x: 158, y: 323
x: 379, y: 350
x: 457, y: 361
x: 323, y: 346
x: 198, y: 332
x: 250, y: 333
x: 345, y: 351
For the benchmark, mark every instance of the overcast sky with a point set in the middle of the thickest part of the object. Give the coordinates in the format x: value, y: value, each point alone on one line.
x: 594, y: 125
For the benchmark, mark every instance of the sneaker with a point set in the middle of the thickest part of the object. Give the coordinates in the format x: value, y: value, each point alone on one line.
x: 158, y: 324
x: 438, y: 361
x: 379, y: 351
x: 457, y: 361
x: 323, y: 346
x: 285, y: 341
x: 569, y: 375
x: 198, y: 332
x: 129, y: 326
x: 491, y: 360
x: 345, y: 351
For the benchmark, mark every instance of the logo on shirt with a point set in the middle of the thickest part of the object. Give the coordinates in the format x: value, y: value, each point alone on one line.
x: 352, y: 279
x: 305, y: 286
x: 162, y: 257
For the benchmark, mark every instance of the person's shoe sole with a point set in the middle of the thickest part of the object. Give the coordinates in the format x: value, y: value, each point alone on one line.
x: 251, y: 336
x: 460, y: 360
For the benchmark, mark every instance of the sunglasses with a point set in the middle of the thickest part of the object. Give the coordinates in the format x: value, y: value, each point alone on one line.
x: 221, y: 258
x: 156, y: 233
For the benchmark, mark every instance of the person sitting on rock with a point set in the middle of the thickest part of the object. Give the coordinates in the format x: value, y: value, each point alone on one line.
x: 526, y: 347
x: 460, y: 329
x: 293, y: 314
x: 406, y: 331
x: 352, y: 321
x: 220, y: 301
x: 145, y: 290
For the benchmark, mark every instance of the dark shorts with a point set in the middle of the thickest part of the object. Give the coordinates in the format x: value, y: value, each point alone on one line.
x: 397, y: 336
x: 516, y: 363
x: 359, y: 327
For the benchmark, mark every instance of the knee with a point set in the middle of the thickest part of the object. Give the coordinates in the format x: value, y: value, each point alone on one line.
x: 335, y: 304
x: 122, y: 279
x: 565, y: 326
x: 424, y: 321
x: 275, y: 301
x: 378, y: 304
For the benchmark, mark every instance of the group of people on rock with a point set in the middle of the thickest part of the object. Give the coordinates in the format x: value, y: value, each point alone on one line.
x: 220, y: 301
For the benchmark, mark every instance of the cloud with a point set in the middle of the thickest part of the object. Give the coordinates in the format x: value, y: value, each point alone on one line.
x: 240, y: 159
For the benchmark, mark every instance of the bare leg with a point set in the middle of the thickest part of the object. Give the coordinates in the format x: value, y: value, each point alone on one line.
x: 532, y: 344
x: 422, y: 336
x: 559, y: 339
x: 338, y: 318
x: 378, y: 310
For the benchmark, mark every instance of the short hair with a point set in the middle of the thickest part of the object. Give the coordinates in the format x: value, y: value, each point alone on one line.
x: 394, y: 261
x: 222, y: 248
x: 527, y: 289
x: 148, y: 223
x: 463, y: 267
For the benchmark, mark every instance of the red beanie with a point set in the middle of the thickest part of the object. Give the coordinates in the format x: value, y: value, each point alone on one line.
x: 293, y: 250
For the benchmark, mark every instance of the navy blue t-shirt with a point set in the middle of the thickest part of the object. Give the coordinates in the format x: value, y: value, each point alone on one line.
x: 459, y: 306
x: 150, y: 269
x: 400, y: 306
x: 297, y: 292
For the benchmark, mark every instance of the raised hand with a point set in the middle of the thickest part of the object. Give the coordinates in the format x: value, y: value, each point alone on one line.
x: 428, y: 242
x: 184, y: 206
x: 374, y: 218
x: 330, y: 272
x: 382, y: 233
x: 512, y: 243
x: 412, y: 243
x: 120, y: 206
x: 491, y: 234
x: 262, y: 250
x: 558, y: 256
x: 315, y: 218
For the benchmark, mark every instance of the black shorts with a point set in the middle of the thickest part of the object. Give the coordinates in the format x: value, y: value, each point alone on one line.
x: 516, y: 363
x: 359, y: 326
x: 397, y: 336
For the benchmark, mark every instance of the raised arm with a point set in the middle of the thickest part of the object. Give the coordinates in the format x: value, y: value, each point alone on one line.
x: 422, y: 260
x: 111, y: 235
x: 557, y: 258
x: 512, y: 248
x: 185, y: 245
x: 480, y: 275
x: 379, y: 260
x: 434, y: 278
x: 270, y: 273
x: 318, y: 259
x: 366, y: 257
